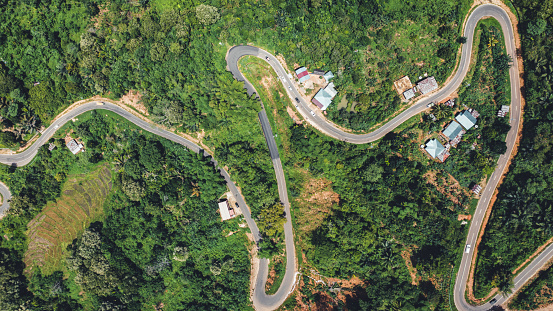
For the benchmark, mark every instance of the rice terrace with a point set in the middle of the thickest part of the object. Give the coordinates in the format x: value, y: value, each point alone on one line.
x: 62, y: 221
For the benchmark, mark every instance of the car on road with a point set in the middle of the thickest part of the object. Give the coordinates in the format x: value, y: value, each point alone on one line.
x: 467, y: 248
x: 430, y: 105
x: 312, y: 113
x: 267, y: 58
x: 297, y: 100
x: 100, y: 103
x: 493, y: 301
x: 290, y: 88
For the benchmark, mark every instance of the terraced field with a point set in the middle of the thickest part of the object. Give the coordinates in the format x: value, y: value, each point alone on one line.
x: 60, y: 222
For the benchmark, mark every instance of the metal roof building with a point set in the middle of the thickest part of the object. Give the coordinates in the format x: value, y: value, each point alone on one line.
x: 302, y: 74
x: 329, y: 75
x: 74, y: 147
x: 427, y: 85
x: 466, y: 119
x: 452, y: 130
x: 324, y: 97
x: 224, y: 210
x: 436, y: 150
x: 410, y: 93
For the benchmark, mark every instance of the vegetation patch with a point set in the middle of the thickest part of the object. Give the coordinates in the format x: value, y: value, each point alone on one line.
x: 62, y: 221
x: 538, y: 294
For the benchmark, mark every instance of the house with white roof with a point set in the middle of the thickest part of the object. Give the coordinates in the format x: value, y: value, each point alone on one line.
x: 226, y: 211
x: 74, y: 146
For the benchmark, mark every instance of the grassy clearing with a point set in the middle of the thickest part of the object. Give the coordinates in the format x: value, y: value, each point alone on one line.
x: 61, y: 222
x: 277, y: 268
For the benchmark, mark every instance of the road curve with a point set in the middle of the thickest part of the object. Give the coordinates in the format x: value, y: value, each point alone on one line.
x: 482, y: 11
x: 26, y: 156
x: 6, y: 196
x: 266, y: 302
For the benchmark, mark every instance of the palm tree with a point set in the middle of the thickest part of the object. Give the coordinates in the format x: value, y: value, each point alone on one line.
x: 28, y: 124
x: 195, y: 190
x: 439, y: 111
x: 119, y: 160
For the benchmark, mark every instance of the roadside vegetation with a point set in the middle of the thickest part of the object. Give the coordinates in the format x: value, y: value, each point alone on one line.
x: 521, y: 218
x: 160, y: 228
x: 161, y: 244
x: 537, y: 294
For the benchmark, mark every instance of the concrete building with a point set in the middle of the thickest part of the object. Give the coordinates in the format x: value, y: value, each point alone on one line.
x: 74, y: 146
x: 427, y: 85
x: 324, y: 97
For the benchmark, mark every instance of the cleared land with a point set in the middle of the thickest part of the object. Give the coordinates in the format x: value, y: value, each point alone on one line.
x: 60, y: 222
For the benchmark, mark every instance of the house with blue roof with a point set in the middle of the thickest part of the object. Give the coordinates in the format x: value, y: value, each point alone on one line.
x: 324, y: 97
x: 466, y: 119
x: 453, y: 130
x: 436, y: 150
x: 329, y: 75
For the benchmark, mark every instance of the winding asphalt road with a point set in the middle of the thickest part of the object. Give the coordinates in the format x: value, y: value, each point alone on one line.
x: 319, y: 122
x: 261, y: 300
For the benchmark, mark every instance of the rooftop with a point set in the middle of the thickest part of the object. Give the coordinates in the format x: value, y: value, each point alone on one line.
x: 74, y: 146
x: 434, y: 148
x: 324, y: 97
x: 224, y: 210
x: 302, y: 73
x: 329, y: 75
x: 427, y: 85
x: 466, y: 119
x: 410, y: 93
x: 452, y: 130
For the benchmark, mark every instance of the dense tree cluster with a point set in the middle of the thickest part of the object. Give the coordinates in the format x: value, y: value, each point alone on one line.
x: 161, y: 229
x: 522, y: 212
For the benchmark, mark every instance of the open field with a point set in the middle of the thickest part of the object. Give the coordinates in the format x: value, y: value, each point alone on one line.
x: 61, y: 222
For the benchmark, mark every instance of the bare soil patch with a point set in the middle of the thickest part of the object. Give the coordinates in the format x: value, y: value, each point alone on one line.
x: 133, y: 99
x: 448, y: 186
x: 315, y: 203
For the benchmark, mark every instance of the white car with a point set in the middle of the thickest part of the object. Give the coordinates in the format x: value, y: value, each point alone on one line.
x: 467, y: 248
x: 312, y: 113
x: 430, y: 105
x: 290, y: 88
